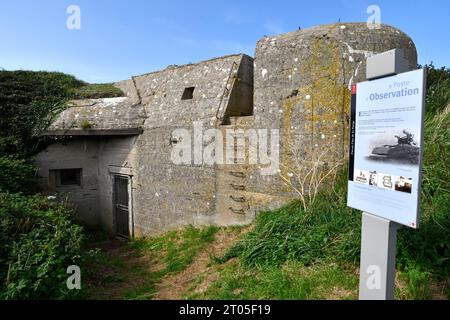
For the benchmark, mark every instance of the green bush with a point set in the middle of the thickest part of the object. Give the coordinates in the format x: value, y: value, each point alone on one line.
x: 16, y: 175
x: 438, y: 89
x: 27, y: 103
x: 38, y: 241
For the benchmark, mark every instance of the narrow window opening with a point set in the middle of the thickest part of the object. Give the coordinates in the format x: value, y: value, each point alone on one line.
x: 66, y: 177
x: 188, y: 93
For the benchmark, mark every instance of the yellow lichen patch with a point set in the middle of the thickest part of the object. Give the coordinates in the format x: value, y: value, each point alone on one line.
x: 324, y: 102
x: 286, y: 135
x: 262, y: 199
x: 314, y: 123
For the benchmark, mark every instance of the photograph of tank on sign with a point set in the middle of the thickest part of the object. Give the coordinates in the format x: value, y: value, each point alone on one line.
x: 395, y: 147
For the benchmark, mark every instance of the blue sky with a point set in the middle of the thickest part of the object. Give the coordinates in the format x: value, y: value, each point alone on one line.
x: 119, y: 38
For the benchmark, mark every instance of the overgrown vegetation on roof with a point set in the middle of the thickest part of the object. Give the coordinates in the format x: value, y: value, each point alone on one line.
x: 97, y: 91
x: 30, y: 100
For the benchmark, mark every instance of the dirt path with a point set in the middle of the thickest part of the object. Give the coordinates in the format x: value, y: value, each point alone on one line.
x: 124, y: 269
x: 111, y: 279
x: 175, y: 286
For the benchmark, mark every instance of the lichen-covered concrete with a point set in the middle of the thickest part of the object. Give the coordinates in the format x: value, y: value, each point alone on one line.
x: 302, y: 86
x: 100, y: 114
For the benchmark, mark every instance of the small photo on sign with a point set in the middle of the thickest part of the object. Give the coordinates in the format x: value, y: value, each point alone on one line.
x: 386, y: 181
x: 403, y: 184
x: 362, y: 176
x: 373, y: 178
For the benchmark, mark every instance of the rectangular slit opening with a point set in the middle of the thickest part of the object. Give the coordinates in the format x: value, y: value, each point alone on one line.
x: 188, y: 93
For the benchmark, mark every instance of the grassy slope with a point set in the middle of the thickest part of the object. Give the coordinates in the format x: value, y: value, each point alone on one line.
x: 291, y: 281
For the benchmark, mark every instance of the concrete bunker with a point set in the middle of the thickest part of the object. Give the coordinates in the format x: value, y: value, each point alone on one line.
x: 298, y: 84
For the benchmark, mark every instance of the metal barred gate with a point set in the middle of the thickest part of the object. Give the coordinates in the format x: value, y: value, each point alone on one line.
x: 121, y: 205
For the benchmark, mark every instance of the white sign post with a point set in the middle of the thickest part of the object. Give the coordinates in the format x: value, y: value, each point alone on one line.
x: 385, y: 164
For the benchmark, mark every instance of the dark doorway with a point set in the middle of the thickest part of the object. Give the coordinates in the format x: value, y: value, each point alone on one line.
x: 121, y: 207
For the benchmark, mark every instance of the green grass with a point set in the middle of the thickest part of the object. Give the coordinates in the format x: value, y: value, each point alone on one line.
x: 291, y: 281
x: 175, y: 250
x: 417, y: 284
x: 329, y: 231
x: 438, y: 89
x: 178, y: 248
x: 146, y: 291
x: 97, y: 91
x: 428, y: 248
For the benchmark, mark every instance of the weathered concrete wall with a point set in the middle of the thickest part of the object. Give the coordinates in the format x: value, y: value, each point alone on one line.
x: 169, y: 195
x: 165, y: 195
x: 115, y: 156
x: 73, y: 155
x: 161, y: 91
x: 302, y: 87
x: 101, y: 114
x: 241, y: 95
x: 98, y: 159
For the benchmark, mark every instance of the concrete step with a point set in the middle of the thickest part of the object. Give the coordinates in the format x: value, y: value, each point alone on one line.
x: 244, y: 121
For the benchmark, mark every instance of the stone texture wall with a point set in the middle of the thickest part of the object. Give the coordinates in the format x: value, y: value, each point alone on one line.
x: 100, y: 114
x: 115, y: 156
x: 98, y: 159
x: 168, y: 196
x: 161, y: 91
x: 302, y: 86
x: 78, y: 154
